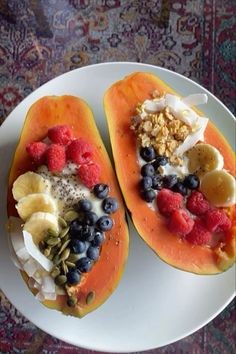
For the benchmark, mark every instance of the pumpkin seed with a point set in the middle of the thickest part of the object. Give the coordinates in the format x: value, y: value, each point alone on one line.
x: 62, y: 222
x: 55, y: 272
x: 42, y: 245
x: 71, y: 215
x: 90, y: 297
x: 60, y: 280
x: 63, y: 246
x: 73, y: 257
x: 47, y: 251
x: 51, y: 257
x: 65, y: 254
x: 70, y: 264
x: 72, y: 301
x: 53, y: 241
x: 64, y: 267
x: 57, y: 259
x: 52, y: 233
x: 64, y: 232
x: 66, y: 237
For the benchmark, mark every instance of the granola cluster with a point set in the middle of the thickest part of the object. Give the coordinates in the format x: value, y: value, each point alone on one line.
x: 161, y: 130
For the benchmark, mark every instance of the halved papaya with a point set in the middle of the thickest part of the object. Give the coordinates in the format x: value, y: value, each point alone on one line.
x: 107, y: 271
x: 120, y: 103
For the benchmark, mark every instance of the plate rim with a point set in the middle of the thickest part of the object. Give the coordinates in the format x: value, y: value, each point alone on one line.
x: 141, y: 65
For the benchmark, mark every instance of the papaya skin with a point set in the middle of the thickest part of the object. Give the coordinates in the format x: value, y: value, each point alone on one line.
x: 107, y: 271
x: 120, y: 101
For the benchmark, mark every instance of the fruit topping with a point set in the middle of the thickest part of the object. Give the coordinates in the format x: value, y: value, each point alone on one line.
x: 191, y: 181
x: 30, y: 182
x: 89, y: 174
x: 98, y: 238
x: 219, y: 187
x: 93, y: 253
x: 169, y: 181
x: 168, y: 201
x: 84, y: 264
x: 199, y: 234
x: 73, y: 277
x: 37, y: 152
x: 60, y: 134
x: 197, y: 203
x: 87, y: 233
x: 77, y: 246
x: 216, y: 220
x: 148, y: 195
x: 101, y: 190
x: 56, y: 157
x: 75, y: 228
x: 180, y: 188
x: 83, y: 205
x: 146, y: 183
x: 180, y: 222
x: 109, y: 205
x: 204, y: 158
x: 90, y: 218
x: 157, y: 182
x: 104, y: 223
x: 148, y: 153
x: 79, y: 151
x: 147, y: 170
x: 160, y: 161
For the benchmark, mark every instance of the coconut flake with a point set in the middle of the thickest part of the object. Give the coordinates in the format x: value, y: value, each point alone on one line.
x: 48, y: 285
x: 30, y: 267
x: 193, y: 138
x: 172, y: 101
x: 195, y: 99
x: 35, y: 252
x: 153, y: 106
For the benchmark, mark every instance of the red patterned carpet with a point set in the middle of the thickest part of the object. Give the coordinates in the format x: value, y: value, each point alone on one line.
x: 40, y: 39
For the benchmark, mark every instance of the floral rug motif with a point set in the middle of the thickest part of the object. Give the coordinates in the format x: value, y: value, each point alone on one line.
x: 41, y: 39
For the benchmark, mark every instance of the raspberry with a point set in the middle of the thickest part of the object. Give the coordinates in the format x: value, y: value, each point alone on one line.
x: 199, y: 234
x: 79, y: 151
x: 197, y: 203
x: 60, y: 134
x: 180, y: 222
x: 56, y: 157
x: 37, y: 152
x: 89, y: 174
x: 216, y: 220
x: 168, y: 201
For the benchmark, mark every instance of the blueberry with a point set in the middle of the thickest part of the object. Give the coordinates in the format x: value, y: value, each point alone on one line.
x: 73, y: 277
x: 147, y: 170
x: 157, y: 182
x: 84, y: 264
x: 93, y: 253
x: 148, y: 153
x: 148, y: 195
x: 169, y: 181
x: 87, y: 233
x: 104, y: 223
x: 90, y: 218
x: 109, y: 205
x: 146, y: 183
x: 159, y: 161
x: 101, y: 190
x: 191, y: 182
x: 98, y: 238
x: 77, y: 246
x: 83, y: 205
x: 180, y: 188
x: 75, y: 228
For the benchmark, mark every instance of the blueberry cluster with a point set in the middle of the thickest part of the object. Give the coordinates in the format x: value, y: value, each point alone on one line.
x: 88, y: 228
x: 152, y: 180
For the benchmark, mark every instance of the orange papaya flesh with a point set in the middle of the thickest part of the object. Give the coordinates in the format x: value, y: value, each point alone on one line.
x: 120, y: 102
x: 107, y: 271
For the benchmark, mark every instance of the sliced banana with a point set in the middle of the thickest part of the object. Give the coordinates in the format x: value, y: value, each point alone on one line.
x: 219, y: 187
x: 204, y: 158
x: 39, y: 223
x: 36, y: 202
x: 28, y: 183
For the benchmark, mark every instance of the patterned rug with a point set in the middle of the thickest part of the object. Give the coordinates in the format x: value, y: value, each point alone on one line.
x: 40, y: 39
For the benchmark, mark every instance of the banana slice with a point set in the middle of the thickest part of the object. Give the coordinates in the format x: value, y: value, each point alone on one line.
x: 36, y: 202
x: 204, y: 158
x: 28, y: 183
x: 39, y: 223
x: 219, y: 187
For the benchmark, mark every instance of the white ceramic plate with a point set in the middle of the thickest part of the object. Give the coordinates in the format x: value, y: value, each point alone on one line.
x: 154, y: 304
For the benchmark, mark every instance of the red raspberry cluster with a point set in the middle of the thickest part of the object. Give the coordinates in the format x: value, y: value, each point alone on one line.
x: 62, y: 148
x: 198, y: 223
